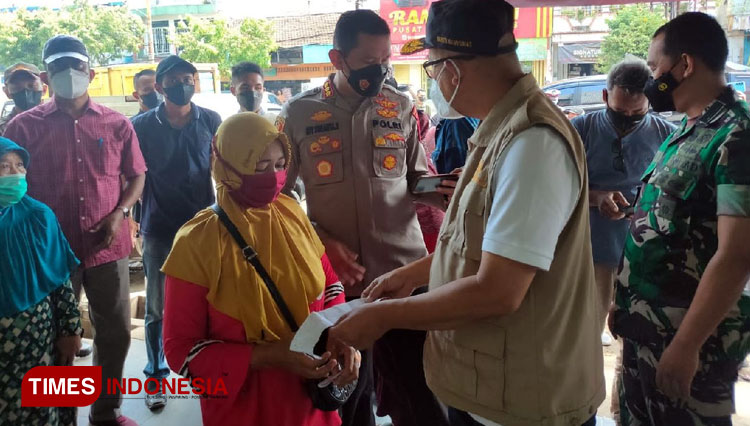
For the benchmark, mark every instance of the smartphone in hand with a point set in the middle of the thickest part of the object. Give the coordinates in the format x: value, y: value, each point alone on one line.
x: 429, y: 183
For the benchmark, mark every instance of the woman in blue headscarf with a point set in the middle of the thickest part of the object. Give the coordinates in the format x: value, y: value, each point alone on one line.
x: 39, y: 318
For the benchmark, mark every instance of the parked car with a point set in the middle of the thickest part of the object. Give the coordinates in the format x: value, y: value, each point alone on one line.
x: 226, y: 104
x: 7, y: 108
x: 581, y: 92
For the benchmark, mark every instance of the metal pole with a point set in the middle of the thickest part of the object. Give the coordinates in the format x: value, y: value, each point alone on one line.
x: 149, y: 32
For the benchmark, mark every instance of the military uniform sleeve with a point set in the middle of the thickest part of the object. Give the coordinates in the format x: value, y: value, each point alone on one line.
x: 732, y: 175
x: 293, y: 170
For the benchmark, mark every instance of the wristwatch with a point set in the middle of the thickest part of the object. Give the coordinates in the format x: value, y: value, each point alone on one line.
x: 125, y: 211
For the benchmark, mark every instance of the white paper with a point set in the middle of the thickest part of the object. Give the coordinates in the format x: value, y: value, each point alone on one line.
x: 308, y: 335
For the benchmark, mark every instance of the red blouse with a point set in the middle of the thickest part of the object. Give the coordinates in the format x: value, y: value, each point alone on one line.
x: 267, y: 397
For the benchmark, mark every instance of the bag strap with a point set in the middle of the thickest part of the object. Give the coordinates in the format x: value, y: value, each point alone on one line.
x: 252, y: 258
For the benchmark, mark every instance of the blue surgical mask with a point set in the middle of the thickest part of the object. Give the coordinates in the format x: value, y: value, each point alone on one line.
x: 12, y: 189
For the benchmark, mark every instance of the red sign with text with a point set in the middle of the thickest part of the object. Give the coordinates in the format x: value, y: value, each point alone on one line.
x: 408, y: 20
x: 61, y: 386
x: 81, y: 386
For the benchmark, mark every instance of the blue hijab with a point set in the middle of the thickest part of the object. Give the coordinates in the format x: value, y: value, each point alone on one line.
x: 36, y: 258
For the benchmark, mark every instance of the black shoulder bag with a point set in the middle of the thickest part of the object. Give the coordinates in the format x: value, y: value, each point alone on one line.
x: 328, y: 398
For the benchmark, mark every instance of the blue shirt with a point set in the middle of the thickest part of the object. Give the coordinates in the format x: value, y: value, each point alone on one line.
x: 450, y: 143
x: 178, y: 182
x: 638, y: 149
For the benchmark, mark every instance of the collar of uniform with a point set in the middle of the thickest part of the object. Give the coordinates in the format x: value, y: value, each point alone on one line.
x: 719, y: 107
x: 713, y: 113
x: 50, y: 107
x: 161, y: 112
x: 519, y: 92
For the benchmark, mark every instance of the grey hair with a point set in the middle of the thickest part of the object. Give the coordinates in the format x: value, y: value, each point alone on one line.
x: 630, y: 75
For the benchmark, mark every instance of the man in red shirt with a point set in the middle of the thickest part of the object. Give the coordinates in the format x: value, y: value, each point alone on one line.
x: 80, y: 150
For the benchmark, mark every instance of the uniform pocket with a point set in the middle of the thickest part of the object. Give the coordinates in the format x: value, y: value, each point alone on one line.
x: 389, y: 154
x: 324, y: 159
x: 676, y: 187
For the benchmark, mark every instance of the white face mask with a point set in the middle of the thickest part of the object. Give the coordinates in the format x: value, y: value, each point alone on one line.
x: 69, y: 83
x: 444, y: 108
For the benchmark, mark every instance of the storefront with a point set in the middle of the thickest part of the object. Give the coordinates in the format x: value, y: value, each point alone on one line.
x: 577, y: 59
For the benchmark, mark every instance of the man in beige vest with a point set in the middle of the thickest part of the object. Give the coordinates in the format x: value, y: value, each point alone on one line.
x: 512, y: 307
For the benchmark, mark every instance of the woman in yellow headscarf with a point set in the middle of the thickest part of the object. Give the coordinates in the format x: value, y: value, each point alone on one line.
x: 220, y: 320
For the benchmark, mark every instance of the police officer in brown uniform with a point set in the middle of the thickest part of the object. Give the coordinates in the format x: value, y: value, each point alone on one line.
x: 356, y: 148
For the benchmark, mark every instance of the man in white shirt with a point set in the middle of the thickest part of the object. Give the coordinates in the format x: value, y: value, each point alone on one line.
x: 512, y: 306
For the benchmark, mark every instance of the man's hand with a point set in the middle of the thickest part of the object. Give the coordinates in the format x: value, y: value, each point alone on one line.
x: 110, y: 225
x: 344, y: 262
x: 350, y: 359
x: 676, y: 370
x: 66, y: 348
x: 392, y: 285
x: 359, y: 328
x: 448, y: 187
x: 609, y: 203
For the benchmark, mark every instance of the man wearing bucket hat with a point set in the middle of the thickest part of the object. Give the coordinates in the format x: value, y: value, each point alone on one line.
x: 512, y: 304
x: 23, y: 85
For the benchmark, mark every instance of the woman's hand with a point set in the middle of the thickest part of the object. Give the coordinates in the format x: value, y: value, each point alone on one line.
x: 278, y: 355
x: 66, y: 349
x: 306, y: 366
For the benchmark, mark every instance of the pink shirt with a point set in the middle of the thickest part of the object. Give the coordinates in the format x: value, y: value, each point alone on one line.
x: 267, y: 397
x: 75, y: 169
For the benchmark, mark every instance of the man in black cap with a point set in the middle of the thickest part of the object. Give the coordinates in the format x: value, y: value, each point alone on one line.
x: 80, y: 151
x: 512, y: 304
x: 23, y: 85
x: 175, y: 138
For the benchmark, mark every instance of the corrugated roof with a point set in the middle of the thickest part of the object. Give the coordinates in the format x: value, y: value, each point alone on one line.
x: 294, y: 31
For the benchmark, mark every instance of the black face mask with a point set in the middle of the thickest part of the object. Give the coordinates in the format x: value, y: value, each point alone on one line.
x: 27, y: 99
x: 250, y: 100
x: 623, y: 123
x: 152, y: 100
x: 180, y: 94
x: 368, y: 81
x: 659, y: 91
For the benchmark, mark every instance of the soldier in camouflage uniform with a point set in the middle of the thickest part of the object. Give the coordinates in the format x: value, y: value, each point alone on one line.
x: 679, y: 301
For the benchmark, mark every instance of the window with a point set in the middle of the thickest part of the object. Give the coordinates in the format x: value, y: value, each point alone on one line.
x: 566, y: 95
x: 592, y: 93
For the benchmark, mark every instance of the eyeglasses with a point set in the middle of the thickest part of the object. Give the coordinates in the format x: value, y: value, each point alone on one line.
x: 429, y: 66
x: 618, y: 163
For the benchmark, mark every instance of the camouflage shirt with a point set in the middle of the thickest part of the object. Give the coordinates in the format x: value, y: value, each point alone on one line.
x: 700, y: 172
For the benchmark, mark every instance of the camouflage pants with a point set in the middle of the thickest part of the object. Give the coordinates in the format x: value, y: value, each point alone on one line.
x: 711, y: 402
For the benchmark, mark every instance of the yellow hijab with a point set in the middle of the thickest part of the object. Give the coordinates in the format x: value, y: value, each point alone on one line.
x: 288, y: 247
